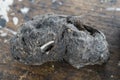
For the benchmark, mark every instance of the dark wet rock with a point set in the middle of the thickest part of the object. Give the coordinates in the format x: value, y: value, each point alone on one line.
x: 2, y: 22
x: 57, y: 37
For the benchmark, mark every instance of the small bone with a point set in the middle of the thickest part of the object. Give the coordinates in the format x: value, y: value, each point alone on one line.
x: 46, y: 45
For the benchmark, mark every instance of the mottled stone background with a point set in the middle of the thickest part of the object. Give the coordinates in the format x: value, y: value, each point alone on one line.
x: 102, y: 14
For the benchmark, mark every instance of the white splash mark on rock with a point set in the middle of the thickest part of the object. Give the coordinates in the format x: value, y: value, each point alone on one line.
x: 24, y: 10
x: 20, y: 0
x: 53, y: 1
x: 15, y: 20
x: 112, y: 76
x: 92, y: 9
x: 4, y: 8
x: 47, y: 44
x: 0, y: 26
x: 113, y: 9
x: 102, y: 55
x: 119, y: 63
x: 12, y: 14
x: 53, y: 66
x: 117, y: 9
x: 1, y: 31
x: 5, y: 41
x: 3, y: 34
x: 11, y: 31
x: 60, y: 3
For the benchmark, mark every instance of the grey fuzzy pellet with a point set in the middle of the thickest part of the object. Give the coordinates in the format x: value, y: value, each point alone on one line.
x: 52, y: 37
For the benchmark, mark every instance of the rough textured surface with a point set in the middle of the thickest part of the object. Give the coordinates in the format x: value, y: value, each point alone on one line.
x: 95, y: 15
x: 53, y: 37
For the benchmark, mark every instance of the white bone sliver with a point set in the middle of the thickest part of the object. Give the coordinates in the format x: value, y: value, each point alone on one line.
x: 47, y: 44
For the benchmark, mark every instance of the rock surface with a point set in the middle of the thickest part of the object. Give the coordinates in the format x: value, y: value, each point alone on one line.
x: 53, y: 37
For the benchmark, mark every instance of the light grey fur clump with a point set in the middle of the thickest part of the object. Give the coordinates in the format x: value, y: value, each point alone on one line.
x: 55, y: 37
